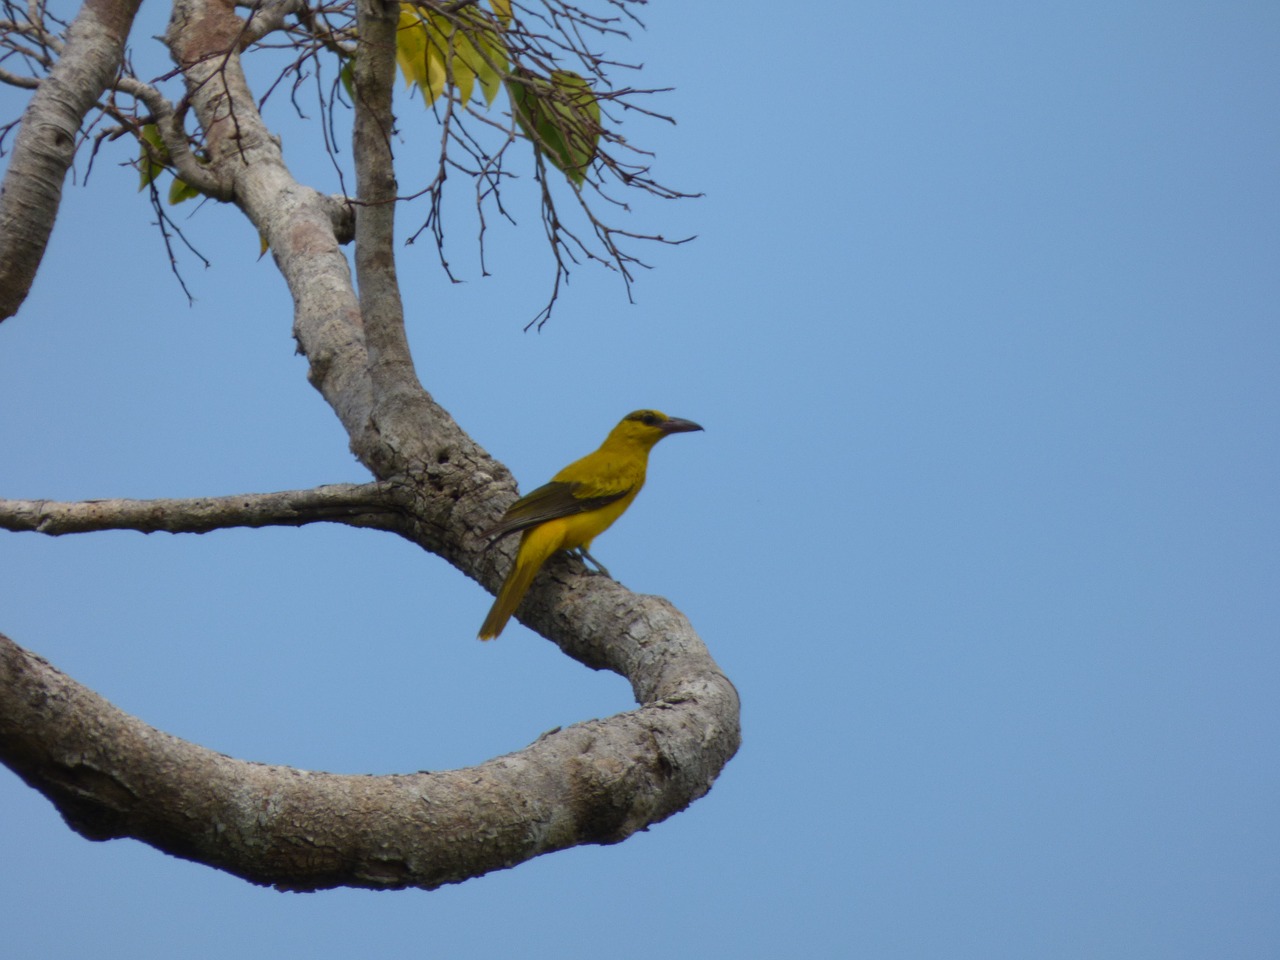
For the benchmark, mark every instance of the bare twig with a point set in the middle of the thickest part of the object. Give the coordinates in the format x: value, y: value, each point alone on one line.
x: 540, y: 41
x: 17, y: 80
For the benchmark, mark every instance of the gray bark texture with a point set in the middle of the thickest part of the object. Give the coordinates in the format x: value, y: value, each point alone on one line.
x: 46, y: 141
x: 111, y: 775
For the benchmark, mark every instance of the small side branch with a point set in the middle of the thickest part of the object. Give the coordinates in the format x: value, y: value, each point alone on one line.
x: 268, y: 17
x: 208, y: 180
x: 359, y: 505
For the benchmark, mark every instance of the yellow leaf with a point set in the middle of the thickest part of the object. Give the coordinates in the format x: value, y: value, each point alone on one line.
x: 419, y: 58
x: 481, y: 49
x: 435, y: 51
x: 411, y: 46
x: 460, y: 54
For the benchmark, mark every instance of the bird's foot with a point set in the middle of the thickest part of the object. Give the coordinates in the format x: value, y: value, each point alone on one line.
x: 588, y: 558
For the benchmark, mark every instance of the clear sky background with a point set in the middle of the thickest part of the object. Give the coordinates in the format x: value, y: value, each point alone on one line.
x: 985, y: 524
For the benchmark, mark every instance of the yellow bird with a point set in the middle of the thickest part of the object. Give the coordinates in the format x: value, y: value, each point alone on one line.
x: 578, y: 505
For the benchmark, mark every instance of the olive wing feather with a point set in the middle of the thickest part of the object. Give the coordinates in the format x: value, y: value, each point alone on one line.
x: 549, y: 502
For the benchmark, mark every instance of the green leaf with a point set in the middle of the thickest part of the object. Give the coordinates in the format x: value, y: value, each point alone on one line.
x: 180, y: 190
x: 561, y: 116
x: 348, y: 77
x: 152, y: 157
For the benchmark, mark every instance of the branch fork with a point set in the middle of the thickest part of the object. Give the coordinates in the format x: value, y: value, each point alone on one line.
x: 112, y: 775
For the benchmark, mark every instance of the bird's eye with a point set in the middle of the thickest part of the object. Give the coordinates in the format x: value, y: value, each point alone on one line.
x: 649, y: 419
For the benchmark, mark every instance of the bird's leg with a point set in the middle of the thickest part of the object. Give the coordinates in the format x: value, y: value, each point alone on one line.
x: 588, y: 558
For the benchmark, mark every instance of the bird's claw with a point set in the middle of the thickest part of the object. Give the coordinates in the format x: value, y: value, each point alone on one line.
x: 588, y: 558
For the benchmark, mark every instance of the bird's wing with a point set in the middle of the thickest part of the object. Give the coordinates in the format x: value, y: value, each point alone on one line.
x: 549, y: 502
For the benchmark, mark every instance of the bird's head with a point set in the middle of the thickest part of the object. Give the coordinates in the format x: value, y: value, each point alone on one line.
x: 647, y: 427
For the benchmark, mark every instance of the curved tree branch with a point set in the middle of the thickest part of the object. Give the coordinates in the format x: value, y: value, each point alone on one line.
x: 169, y: 125
x: 361, y: 505
x: 597, y: 782
x: 110, y: 775
x: 269, y: 16
x: 46, y: 142
x: 18, y: 80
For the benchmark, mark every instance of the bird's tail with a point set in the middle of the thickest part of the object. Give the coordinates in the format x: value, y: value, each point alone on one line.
x: 536, y: 546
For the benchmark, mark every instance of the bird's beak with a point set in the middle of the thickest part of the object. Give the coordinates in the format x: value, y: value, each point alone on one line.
x: 676, y: 425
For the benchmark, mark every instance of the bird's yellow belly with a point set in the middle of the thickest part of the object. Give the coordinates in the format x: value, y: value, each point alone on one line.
x: 581, y: 528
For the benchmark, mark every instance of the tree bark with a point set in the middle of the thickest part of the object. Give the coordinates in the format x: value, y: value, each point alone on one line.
x: 46, y: 143
x: 111, y: 775
x: 365, y: 505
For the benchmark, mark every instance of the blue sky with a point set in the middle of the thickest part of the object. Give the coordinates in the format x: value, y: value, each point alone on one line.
x: 985, y: 525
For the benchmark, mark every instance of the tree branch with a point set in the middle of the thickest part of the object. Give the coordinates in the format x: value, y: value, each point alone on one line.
x: 397, y: 390
x: 360, y: 505
x: 46, y: 143
x: 342, y: 216
x: 17, y: 80
x: 110, y: 775
x: 169, y: 125
x: 269, y: 16
x: 598, y: 782
x: 297, y: 221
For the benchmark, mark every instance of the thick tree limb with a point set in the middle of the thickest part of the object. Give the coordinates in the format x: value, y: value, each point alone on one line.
x: 411, y: 440
x: 46, y: 141
x: 297, y: 221
x: 111, y: 775
x: 597, y: 782
x: 361, y: 505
